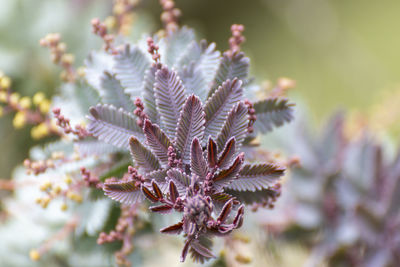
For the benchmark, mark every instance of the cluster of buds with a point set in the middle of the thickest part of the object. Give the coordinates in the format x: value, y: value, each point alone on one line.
x: 38, y: 167
x: 124, y: 231
x: 123, y: 16
x: 134, y: 175
x: 25, y: 113
x: 236, y: 40
x: 252, y: 115
x: 173, y: 161
x: 274, y: 192
x: 100, y: 29
x: 170, y: 15
x: 59, y: 55
x: 90, y: 179
x: 139, y: 112
x: 63, y: 122
x: 153, y: 50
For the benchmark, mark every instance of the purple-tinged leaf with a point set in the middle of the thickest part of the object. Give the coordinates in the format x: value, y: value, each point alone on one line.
x: 190, y: 126
x: 157, y: 190
x: 225, y: 177
x: 225, y: 211
x: 113, y: 126
x: 201, y: 249
x: 149, y: 195
x: 238, y: 221
x: 272, y: 112
x: 149, y: 98
x: 198, y: 164
x: 219, y: 104
x: 227, y: 154
x: 185, y: 249
x: 180, y: 179
x: 235, y: 126
x: 159, y: 176
x: 212, y: 152
x: 124, y: 192
x: 130, y: 66
x: 232, y: 67
x: 175, y: 229
x: 142, y: 156
x: 173, y: 191
x: 157, y: 141
x: 111, y: 92
x: 170, y: 98
x: 262, y: 196
x: 257, y: 177
x: 163, y: 209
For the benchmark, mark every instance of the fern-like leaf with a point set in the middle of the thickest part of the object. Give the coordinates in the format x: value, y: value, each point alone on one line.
x: 180, y: 179
x: 194, y: 81
x: 219, y: 104
x: 235, y: 126
x: 157, y: 140
x: 124, y: 192
x: 94, y: 147
x: 256, y: 177
x: 257, y: 197
x: 130, y: 66
x: 231, y: 67
x: 198, y: 164
x: 225, y: 177
x: 190, y: 126
x: 170, y: 97
x: 113, y: 126
x: 200, y: 250
x: 142, y: 156
x: 273, y: 112
x: 149, y: 98
x: 111, y: 92
x: 227, y: 154
x: 95, y: 66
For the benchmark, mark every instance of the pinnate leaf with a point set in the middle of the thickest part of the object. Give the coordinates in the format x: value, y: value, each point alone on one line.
x: 157, y: 141
x: 272, y: 112
x: 142, y: 156
x: 124, y: 192
x: 170, y: 98
x: 219, y: 104
x: 113, y: 126
x: 198, y: 163
x: 257, y: 177
x: 190, y: 126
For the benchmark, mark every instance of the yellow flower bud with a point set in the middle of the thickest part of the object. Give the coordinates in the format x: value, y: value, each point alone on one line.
x: 1, y: 111
x: 38, y: 98
x: 3, y: 96
x: 81, y: 71
x: 64, y: 207
x: 243, y: 259
x: 45, y: 202
x: 46, y: 185
x: 44, y: 106
x: 5, y: 82
x: 118, y: 9
x: 57, y: 190
x: 14, y: 99
x: 68, y: 59
x: 110, y: 22
x: 19, y: 120
x: 67, y: 180
x: 34, y: 255
x: 25, y: 102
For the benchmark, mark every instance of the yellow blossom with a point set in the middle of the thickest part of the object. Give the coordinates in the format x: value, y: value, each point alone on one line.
x: 25, y: 102
x: 67, y: 179
x: 19, y: 120
x: 68, y: 59
x: 1, y: 111
x: 40, y: 131
x: 5, y: 82
x: 14, y: 99
x: 34, y: 255
x: 81, y: 71
x: 3, y: 96
x: 110, y: 22
x: 45, y: 202
x: 38, y: 98
x: 44, y: 106
x: 64, y: 207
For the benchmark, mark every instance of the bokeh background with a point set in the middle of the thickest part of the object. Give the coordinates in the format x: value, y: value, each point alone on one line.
x: 342, y: 54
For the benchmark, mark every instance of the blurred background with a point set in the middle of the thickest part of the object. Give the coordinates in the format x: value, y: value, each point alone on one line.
x: 342, y: 54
